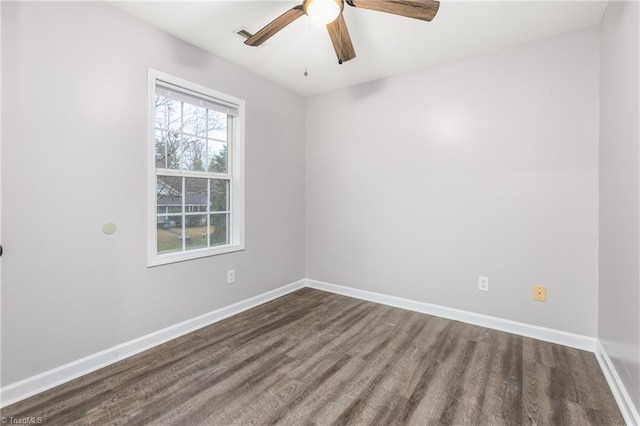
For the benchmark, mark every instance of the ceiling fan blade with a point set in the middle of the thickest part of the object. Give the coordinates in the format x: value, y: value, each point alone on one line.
x: 274, y: 26
x: 418, y: 9
x: 341, y: 40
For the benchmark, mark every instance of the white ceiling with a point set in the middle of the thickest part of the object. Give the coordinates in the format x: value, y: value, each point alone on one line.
x: 385, y: 44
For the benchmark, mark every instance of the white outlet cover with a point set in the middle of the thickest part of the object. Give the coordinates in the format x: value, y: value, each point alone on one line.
x: 483, y: 283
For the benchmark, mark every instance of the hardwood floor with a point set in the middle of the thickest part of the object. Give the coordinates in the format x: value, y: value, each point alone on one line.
x: 319, y: 358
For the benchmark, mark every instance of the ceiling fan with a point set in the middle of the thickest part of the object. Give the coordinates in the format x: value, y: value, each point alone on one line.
x: 329, y: 12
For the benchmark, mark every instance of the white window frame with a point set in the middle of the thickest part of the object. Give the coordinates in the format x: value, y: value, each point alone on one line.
x: 235, y: 158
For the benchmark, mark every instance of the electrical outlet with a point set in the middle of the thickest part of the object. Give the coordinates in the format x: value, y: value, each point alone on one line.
x: 483, y: 283
x: 231, y: 276
x: 539, y: 293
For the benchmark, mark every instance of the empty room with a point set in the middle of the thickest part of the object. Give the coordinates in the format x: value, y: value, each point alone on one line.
x: 365, y: 212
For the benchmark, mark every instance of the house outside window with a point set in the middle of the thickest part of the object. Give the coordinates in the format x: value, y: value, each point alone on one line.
x: 196, y: 170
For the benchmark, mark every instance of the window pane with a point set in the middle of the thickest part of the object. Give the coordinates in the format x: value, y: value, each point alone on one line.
x: 169, y: 194
x: 217, y: 125
x: 219, y: 195
x: 194, y: 120
x: 162, y: 117
x: 196, y: 195
x: 174, y: 111
x: 217, y: 157
x: 194, y: 151
x: 161, y: 144
x: 196, y: 231
x: 168, y: 220
x: 173, y: 149
x: 170, y: 237
x: 219, y: 229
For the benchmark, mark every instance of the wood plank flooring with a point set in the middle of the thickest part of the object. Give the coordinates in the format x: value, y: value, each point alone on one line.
x: 313, y: 357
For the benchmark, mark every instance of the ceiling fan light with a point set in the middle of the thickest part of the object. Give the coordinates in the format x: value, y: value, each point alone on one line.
x: 323, y: 11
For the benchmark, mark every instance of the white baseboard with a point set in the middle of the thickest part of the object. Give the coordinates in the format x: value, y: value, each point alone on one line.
x: 541, y: 333
x: 59, y: 375
x: 628, y: 409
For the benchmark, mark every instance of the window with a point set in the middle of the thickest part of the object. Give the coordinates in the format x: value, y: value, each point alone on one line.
x: 196, y: 162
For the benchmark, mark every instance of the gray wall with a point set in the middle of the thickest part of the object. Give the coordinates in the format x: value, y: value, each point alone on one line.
x: 74, y: 78
x: 619, y: 297
x: 418, y: 183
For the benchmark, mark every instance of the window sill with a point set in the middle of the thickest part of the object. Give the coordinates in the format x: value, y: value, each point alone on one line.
x: 165, y: 259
